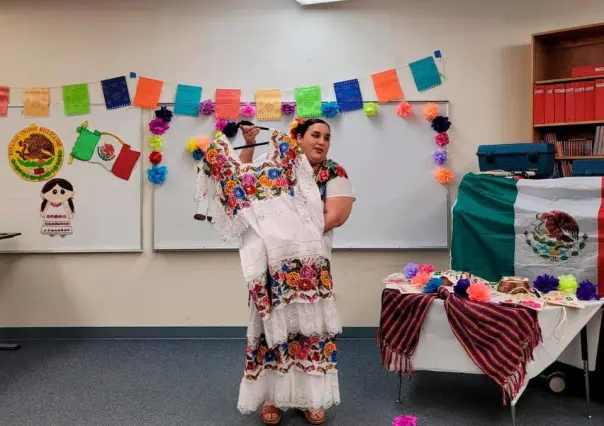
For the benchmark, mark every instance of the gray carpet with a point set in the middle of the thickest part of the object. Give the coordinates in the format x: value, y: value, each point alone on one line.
x: 195, y: 382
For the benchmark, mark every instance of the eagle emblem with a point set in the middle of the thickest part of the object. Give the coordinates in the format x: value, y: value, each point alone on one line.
x: 555, y: 236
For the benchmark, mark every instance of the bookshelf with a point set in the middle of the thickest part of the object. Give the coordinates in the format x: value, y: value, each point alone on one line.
x: 554, y: 55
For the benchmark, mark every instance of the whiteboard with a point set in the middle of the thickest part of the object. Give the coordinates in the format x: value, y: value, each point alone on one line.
x: 389, y: 160
x: 107, y: 215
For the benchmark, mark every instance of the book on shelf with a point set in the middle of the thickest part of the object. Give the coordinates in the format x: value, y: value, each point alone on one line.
x: 563, y: 168
x: 578, y: 147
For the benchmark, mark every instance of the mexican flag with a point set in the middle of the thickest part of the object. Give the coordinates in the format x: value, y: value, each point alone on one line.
x: 106, y: 149
x: 505, y: 227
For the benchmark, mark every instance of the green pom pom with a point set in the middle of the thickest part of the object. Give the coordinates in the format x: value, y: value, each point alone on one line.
x: 371, y: 109
x: 156, y: 143
x: 568, y: 284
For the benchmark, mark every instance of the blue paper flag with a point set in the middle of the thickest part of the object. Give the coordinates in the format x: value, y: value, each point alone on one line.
x: 115, y: 91
x: 187, y: 100
x: 425, y: 73
x: 438, y: 54
x: 348, y: 95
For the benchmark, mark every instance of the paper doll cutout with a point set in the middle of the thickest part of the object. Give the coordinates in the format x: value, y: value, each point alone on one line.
x: 57, y: 208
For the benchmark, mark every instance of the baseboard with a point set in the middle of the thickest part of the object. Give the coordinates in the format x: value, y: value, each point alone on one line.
x: 34, y: 333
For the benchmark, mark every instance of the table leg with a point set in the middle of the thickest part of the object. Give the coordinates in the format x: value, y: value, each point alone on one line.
x: 400, y: 385
x: 513, y: 412
x: 9, y: 346
x: 585, y: 358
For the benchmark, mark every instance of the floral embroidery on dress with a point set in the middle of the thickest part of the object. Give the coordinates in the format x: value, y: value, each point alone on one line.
x: 307, y: 354
x: 325, y: 171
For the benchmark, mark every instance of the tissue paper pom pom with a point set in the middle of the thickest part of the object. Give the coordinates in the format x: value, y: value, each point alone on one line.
x: 404, y: 109
x: 197, y: 155
x: 155, y: 157
x: 431, y: 111
x: 587, y: 291
x: 568, y: 284
x: 443, y: 175
x: 440, y: 158
x: 191, y: 145
x: 220, y: 125
x: 230, y: 130
x: 157, y: 126
x: 157, y: 174
x: 546, y: 283
x: 410, y: 270
x: 330, y: 109
x: 461, y: 288
x: 247, y: 110
x: 405, y: 421
x: 427, y: 268
x: 371, y: 109
x: 441, y: 139
x: 288, y: 108
x: 432, y: 285
x: 420, y: 279
x: 207, y: 107
x: 164, y: 114
x: 156, y: 143
x: 203, y: 142
x: 479, y: 292
x: 441, y: 124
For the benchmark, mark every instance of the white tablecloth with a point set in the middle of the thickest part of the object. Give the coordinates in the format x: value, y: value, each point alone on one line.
x: 439, y: 350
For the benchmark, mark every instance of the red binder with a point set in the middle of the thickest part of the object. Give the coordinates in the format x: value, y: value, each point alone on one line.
x: 600, y: 100
x: 570, y: 103
x: 538, y: 105
x: 549, y: 104
x: 559, y: 103
x: 590, y: 101
x: 579, y: 101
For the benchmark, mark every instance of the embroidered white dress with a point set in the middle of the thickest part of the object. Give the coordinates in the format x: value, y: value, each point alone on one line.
x: 275, y: 211
x: 55, y: 221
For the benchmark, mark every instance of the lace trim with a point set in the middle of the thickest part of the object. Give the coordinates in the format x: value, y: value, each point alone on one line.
x: 298, y: 249
x: 231, y: 227
x: 200, y: 184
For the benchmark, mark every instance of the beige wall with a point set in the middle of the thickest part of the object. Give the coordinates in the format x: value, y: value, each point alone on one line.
x: 485, y: 43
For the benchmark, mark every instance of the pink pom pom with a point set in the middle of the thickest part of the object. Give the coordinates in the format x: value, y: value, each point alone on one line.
x: 427, y: 268
x: 441, y: 139
x: 247, y: 110
x: 420, y: 279
x: 221, y: 124
x: 431, y: 111
x: 405, y: 421
x: 404, y: 109
x: 157, y: 126
x: 479, y: 292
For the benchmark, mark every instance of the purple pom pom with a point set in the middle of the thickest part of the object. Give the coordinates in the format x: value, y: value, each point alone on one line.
x: 461, y: 288
x: 164, y: 113
x: 207, y: 107
x: 441, y: 124
x: 411, y: 270
x: 157, y: 126
x: 230, y: 130
x: 546, y: 283
x: 288, y: 108
x: 440, y: 157
x: 405, y: 421
x: 587, y: 291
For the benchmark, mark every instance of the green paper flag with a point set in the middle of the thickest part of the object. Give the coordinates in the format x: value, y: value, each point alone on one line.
x: 308, y: 101
x: 76, y: 99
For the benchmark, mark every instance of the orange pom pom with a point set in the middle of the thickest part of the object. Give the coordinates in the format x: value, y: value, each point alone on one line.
x: 404, y: 109
x: 420, y: 279
x: 203, y: 142
x: 431, y: 111
x: 443, y: 175
x: 479, y: 292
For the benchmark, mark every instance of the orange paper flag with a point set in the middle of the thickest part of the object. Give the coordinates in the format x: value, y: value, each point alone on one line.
x: 387, y: 86
x: 227, y: 103
x: 268, y: 104
x: 36, y: 101
x: 148, y: 92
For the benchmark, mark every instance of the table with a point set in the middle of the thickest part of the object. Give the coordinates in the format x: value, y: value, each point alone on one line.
x: 437, y: 338
x: 9, y: 346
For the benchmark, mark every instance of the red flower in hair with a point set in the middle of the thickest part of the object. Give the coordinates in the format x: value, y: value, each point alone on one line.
x: 294, y: 125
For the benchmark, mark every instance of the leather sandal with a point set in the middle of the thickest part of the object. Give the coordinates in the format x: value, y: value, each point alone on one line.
x: 271, y: 415
x: 315, y: 417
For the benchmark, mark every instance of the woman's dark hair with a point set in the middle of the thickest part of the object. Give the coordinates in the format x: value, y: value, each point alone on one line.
x: 303, y: 127
x: 64, y: 184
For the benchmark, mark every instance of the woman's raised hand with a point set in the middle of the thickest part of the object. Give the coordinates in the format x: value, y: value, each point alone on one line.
x: 249, y: 134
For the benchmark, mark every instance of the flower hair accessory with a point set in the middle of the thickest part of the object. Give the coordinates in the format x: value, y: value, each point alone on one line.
x: 294, y: 125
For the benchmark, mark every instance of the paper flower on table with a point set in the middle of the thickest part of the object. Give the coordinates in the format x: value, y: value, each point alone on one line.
x: 443, y: 175
x: 197, y: 154
x: 405, y: 421
x: 431, y: 111
x: 157, y: 126
x: 440, y: 158
x: 164, y: 114
x: 427, y: 268
x: 404, y: 109
x: 568, y: 284
x: 288, y: 108
x: 202, y: 142
x: 441, y: 139
x: 230, y: 130
x: 546, y: 283
x: 479, y: 292
x: 420, y: 279
x: 371, y: 109
x: 157, y: 174
x: 441, y: 124
x: 247, y: 110
x: 330, y: 109
x: 587, y: 291
x: 207, y: 107
x: 461, y: 288
x: 221, y: 124
x: 155, y: 157
x: 410, y: 270
x: 432, y: 285
x: 156, y: 143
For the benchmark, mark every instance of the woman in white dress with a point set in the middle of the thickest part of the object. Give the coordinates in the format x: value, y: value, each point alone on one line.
x: 57, y: 207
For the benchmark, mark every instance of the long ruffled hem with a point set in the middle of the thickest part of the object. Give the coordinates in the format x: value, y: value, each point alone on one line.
x: 294, y: 389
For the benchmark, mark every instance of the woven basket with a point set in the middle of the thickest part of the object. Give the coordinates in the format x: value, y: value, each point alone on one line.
x: 509, y: 284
